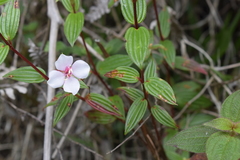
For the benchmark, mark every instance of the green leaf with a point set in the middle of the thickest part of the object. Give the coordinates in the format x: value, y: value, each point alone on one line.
x: 3, y: 2
x: 56, y: 99
x: 113, y: 62
x: 73, y: 26
x: 192, y: 139
x: 137, y: 44
x: 163, y: 117
x: 231, y: 107
x: 223, y: 146
x: 10, y: 20
x: 222, y: 124
x: 3, y: 52
x: 168, y: 52
x: 128, y: 13
x: 132, y: 93
x: 117, y: 101
x: 102, y: 104
x: 135, y: 114
x: 82, y: 84
x: 186, y: 64
x: 71, y: 5
x: 63, y: 108
x: 160, y: 89
x: 26, y: 74
x: 125, y: 74
x: 99, y: 117
x: 164, y: 18
x: 151, y: 69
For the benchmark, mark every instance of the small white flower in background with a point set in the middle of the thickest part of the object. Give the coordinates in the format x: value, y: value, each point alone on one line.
x: 67, y: 74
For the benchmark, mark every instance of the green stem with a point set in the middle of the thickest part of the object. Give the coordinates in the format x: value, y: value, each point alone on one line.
x: 23, y: 58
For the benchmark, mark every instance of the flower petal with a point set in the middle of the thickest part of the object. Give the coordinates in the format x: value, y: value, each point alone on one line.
x: 63, y: 62
x: 71, y: 85
x: 80, y: 69
x: 56, y: 79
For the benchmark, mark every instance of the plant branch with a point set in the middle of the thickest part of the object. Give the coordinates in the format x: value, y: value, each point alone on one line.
x: 135, y: 13
x: 158, y: 22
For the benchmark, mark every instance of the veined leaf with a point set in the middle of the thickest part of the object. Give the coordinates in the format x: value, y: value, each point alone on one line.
x: 99, y: 117
x: 71, y: 5
x: 73, y: 26
x: 192, y: 139
x: 163, y: 117
x: 56, y: 99
x: 117, y: 101
x: 132, y: 93
x: 3, y: 52
x: 164, y: 18
x: 3, y: 2
x: 128, y: 13
x: 222, y: 146
x: 222, y: 124
x: 10, y: 20
x: 26, y: 74
x: 168, y: 52
x: 160, y: 89
x: 135, y: 114
x: 231, y: 107
x: 63, y: 108
x: 137, y: 44
x: 125, y: 74
x: 102, y: 104
x: 113, y: 62
x: 151, y: 69
x: 82, y: 84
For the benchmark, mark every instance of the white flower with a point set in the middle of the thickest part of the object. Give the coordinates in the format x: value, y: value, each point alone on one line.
x: 67, y: 75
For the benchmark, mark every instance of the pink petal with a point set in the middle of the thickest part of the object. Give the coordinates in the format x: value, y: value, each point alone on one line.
x: 56, y: 79
x: 63, y: 62
x: 71, y: 85
x: 80, y: 69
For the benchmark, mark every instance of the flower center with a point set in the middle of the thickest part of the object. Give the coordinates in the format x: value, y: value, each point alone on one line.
x: 68, y: 71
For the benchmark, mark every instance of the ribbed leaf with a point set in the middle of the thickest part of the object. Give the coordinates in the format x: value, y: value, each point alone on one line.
x: 82, y: 84
x: 99, y: 117
x: 223, y: 146
x: 163, y: 117
x: 113, y: 62
x: 151, y: 69
x: 56, y: 99
x: 10, y: 20
x: 73, y: 26
x: 26, y: 74
x: 222, y: 124
x: 128, y: 13
x: 135, y: 114
x: 168, y: 52
x: 132, y: 93
x: 164, y: 18
x: 125, y: 74
x: 117, y: 101
x: 192, y: 139
x: 71, y: 5
x: 3, y: 52
x: 63, y: 108
x: 137, y: 44
x: 160, y: 89
x: 3, y: 1
x: 186, y: 64
x: 231, y: 107
x: 102, y: 104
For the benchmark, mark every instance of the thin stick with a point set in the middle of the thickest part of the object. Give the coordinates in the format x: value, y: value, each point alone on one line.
x: 194, y: 98
x: 129, y: 136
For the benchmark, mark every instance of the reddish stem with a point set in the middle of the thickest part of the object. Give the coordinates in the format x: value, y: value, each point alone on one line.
x: 23, y: 58
x: 158, y: 22
x: 105, y: 53
x: 135, y: 13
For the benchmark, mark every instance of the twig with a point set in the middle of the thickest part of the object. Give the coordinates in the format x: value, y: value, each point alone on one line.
x: 194, y: 98
x: 71, y: 120
x: 129, y: 136
x: 224, y: 86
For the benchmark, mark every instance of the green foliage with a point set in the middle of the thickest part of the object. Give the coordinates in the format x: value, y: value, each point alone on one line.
x: 26, y: 74
x: 73, y: 26
x: 164, y: 18
x: 151, y: 69
x: 4, y: 52
x: 132, y: 93
x: 71, y: 5
x: 125, y: 74
x: 127, y: 10
x: 3, y: 1
x: 168, y: 51
x: 137, y: 44
x: 160, y: 89
x: 135, y: 114
x: 9, y: 20
x: 117, y: 101
x: 99, y: 117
